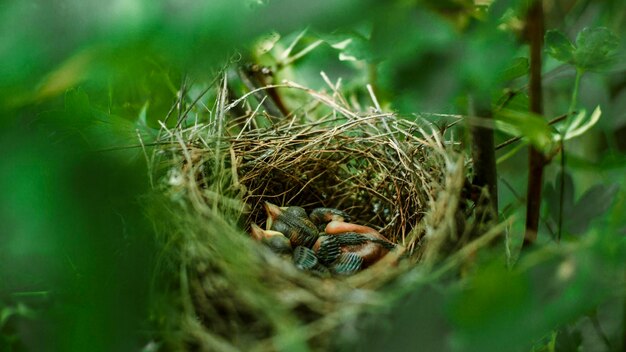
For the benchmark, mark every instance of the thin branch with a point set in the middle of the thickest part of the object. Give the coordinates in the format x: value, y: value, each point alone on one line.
x: 250, y: 81
x: 484, y: 157
x: 517, y: 139
x: 536, y: 159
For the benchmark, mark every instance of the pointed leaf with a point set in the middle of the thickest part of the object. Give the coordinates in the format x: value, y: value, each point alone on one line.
x: 578, y: 127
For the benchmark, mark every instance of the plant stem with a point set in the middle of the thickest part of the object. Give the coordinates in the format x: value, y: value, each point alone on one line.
x: 579, y: 74
x: 517, y: 139
x: 572, y: 107
x: 536, y: 159
x: 561, y: 193
x: 484, y: 156
x: 624, y: 320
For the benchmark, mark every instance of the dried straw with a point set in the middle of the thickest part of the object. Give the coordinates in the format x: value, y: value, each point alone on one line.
x: 395, y: 175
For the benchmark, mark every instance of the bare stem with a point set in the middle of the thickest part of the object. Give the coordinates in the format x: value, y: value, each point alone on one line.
x: 537, y: 161
x: 484, y: 156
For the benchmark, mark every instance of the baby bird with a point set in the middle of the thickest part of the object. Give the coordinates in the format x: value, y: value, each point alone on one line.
x: 293, y: 222
x: 362, y: 241
x: 322, y: 242
x: 322, y: 216
x: 303, y: 258
x: 330, y: 253
x: 275, y: 240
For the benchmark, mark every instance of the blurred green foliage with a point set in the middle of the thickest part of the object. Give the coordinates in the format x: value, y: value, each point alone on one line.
x: 79, y: 79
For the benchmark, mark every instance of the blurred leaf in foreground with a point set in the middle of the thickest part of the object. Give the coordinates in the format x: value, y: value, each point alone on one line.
x: 528, y: 125
x: 72, y: 228
x: 99, y: 129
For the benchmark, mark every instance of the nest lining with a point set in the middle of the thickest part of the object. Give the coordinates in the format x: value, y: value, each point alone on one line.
x: 386, y: 172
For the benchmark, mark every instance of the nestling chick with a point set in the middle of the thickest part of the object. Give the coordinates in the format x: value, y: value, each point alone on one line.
x: 322, y: 216
x: 293, y: 222
x: 362, y: 241
x: 275, y: 240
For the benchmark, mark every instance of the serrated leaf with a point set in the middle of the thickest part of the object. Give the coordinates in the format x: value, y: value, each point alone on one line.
x: 594, y: 47
x: 559, y: 47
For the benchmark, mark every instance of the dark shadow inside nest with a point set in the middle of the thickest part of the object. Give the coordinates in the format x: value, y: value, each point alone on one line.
x: 335, y: 180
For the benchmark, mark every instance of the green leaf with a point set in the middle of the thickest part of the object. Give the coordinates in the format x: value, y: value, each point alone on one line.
x: 577, y: 127
x: 559, y: 47
x: 594, y: 47
x: 5, y: 314
x: 595, y: 202
x: 518, y: 68
x: 532, y: 127
x: 77, y: 103
x: 352, y: 46
x: 578, y: 214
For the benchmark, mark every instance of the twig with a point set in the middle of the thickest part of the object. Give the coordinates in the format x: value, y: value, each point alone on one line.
x: 195, y: 101
x: 561, y: 193
x: 472, y: 247
x: 145, y: 154
x: 516, y: 139
x: 260, y: 91
x: 484, y: 157
x: 536, y: 159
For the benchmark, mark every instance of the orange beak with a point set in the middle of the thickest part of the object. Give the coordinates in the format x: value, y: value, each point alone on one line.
x: 258, y: 233
x: 273, y: 211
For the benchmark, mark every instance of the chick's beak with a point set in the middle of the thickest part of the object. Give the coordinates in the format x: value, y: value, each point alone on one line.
x: 256, y: 232
x: 259, y: 234
x: 273, y: 211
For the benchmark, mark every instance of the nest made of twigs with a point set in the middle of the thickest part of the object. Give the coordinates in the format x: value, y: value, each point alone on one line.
x: 398, y: 176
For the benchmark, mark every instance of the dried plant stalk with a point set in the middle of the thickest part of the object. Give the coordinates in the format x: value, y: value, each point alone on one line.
x: 398, y: 176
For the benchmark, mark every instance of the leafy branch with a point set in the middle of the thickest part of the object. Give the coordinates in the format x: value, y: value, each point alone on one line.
x: 594, y: 49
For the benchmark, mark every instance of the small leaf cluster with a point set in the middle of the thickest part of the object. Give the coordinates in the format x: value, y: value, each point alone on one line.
x: 594, y: 48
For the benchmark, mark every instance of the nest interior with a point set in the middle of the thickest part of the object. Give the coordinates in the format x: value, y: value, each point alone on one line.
x: 379, y: 181
x: 389, y: 173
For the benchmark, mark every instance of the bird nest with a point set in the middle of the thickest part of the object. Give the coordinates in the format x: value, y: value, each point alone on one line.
x: 226, y: 292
